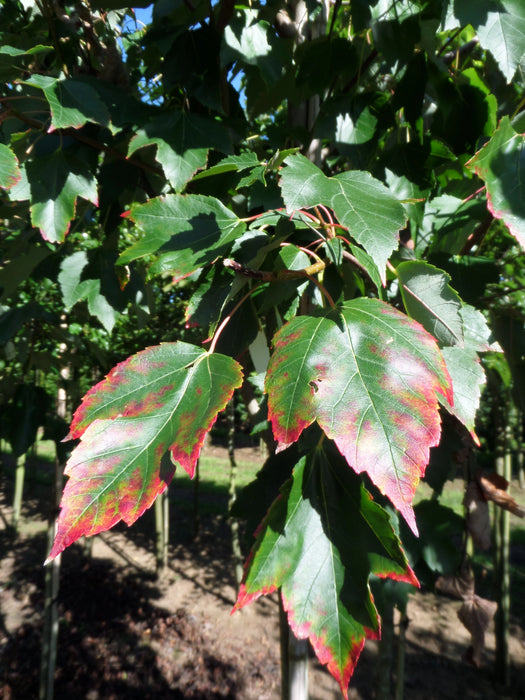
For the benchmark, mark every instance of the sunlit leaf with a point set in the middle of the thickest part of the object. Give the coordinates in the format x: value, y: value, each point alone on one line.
x: 72, y: 102
x: 431, y: 300
x: 500, y: 27
x: 468, y: 378
x: 501, y: 164
x: 9, y: 170
x: 55, y: 183
x: 370, y: 377
x: 182, y: 141
x: 162, y: 400
x: 360, y: 202
x: 187, y: 231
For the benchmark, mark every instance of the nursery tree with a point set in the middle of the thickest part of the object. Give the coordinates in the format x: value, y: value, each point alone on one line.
x: 323, y: 187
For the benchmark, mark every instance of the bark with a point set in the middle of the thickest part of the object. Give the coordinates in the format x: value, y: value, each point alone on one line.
x: 19, y: 490
x: 501, y: 551
x: 501, y: 554
x: 386, y: 654
x: 161, y: 532
x: 401, y: 654
x: 196, y: 515
x: 52, y: 572
x: 294, y: 661
x: 232, y: 495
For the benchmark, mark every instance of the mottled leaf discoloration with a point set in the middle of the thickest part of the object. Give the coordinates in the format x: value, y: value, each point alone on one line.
x: 370, y: 377
x: 165, y: 398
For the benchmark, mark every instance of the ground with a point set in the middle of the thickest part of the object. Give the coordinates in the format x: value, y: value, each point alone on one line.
x: 125, y: 635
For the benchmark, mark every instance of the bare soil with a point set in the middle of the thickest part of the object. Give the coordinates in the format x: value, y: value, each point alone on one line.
x: 125, y: 635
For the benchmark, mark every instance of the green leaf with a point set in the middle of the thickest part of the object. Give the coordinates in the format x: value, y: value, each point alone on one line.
x: 370, y: 377
x: 11, y: 58
x: 448, y: 223
x: 9, y: 170
x: 76, y: 287
x: 339, y: 125
x: 362, y: 204
x: 187, y: 231
x: 20, y: 259
x: 429, y: 299
x: 53, y: 182
x: 500, y: 27
x: 163, y: 399
x: 501, y: 164
x: 304, y: 547
x: 253, y: 42
x: 183, y: 141
x: 73, y: 103
x: 467, y: 377
x: 477, y: 334
x: 244, y: 161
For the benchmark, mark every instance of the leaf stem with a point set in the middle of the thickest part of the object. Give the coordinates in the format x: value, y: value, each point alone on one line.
x: 227, y: 319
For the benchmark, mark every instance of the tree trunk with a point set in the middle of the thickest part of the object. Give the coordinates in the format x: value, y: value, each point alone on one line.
x: 52, y: 582
x: 294, y: 661
x: 401, y: 655
x: 501, y: 547
x: 196, y: 515
x: 20, y: 473
x: 232, y: 495
x: 162, y: 525
x: 386, y: 653
x: 520, y: 465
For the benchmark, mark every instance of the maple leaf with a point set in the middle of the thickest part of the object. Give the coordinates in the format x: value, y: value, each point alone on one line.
x: 304, y: 547
x: 163, y: 399
x: 370, y: 377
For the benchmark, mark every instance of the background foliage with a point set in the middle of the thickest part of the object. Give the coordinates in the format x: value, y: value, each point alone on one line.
x: 336, y: 185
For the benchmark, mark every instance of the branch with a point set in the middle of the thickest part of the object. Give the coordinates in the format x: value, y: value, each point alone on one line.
x: 277, y: 276
x: 93, y: 143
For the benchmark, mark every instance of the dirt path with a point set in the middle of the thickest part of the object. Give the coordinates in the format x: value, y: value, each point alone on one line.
x: 125, y: 635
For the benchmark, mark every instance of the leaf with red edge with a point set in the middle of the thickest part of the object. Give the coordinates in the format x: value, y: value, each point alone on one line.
x: 9, y: 169
x: 163, y: 399
x: 500, y: 163
x: 370, y: 377
x: 321, y: 540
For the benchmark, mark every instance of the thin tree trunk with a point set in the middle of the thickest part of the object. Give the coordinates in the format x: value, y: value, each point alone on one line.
x: 521, y: 449
x: 232, y: 495
x: 503, y: 467
x: 401, y: 655
x: 19, y: 490
x: 386, y: 654
x: 196, y: 515
x: 294, y: 661
x: 52, y: 572
x: 52, y: 582
x: 162, y: 532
